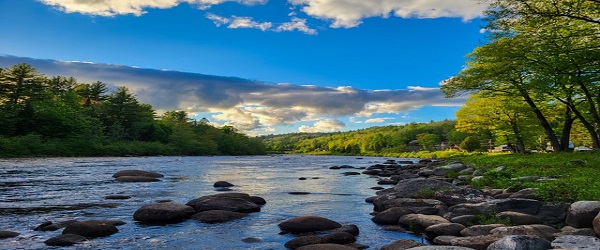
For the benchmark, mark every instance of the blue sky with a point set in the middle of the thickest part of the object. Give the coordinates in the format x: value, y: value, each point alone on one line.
x: 263, y: 66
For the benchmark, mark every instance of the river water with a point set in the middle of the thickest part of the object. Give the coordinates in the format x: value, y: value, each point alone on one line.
x: 33, y: 191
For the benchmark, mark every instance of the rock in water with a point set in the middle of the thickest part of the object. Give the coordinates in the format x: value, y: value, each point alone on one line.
x: 304, y: 224
x: 163, y: 212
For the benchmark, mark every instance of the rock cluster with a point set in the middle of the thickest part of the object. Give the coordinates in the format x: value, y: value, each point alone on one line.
x: 458, y: 216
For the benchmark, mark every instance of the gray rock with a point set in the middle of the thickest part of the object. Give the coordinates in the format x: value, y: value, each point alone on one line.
x: 478, y: 230
x: 569, y: 230
x: 222, y: 184
x: 520, y: 242
x: 132, y: 172
x: 451, y: 229
x: 339, y: 238
x: 304, y: 224
x: 402, y: 245
x: 443, y: 240
x: 64, y: 240
x: 224, y: 203
x: 476, y: 242
x: 582, y: 213
x: 91, y: 229
x: 303, y: 241
x: 465, y: 220
x: 421, y: 188
x: 391, y: 215
x: 117, y: 197
x: 384, y: 202
x: 217, y: 216
x: 326, y: 246
x: 441, y: 248
x: 553, y: 214
x: 516, y: 218
x: 576, y: 242
x: 351, y: 229
x: 50, y: 226
x: 136, y: 179
x: 596, y: 224
x: 8, y: 234
x: 420, y: 221
x: 163, y: 212
x: 542, y: 231
x: 460, y: 196
x: 528, y: 193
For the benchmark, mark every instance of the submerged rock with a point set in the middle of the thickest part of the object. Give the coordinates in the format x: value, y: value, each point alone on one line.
x: 136, y: 179
x: 304, y: 224
x: 64, y: 240
x: 217, y: 216
x: 92, y: 229
x: 132, y: 172
x: 163, y: 212
x: 8, y: 234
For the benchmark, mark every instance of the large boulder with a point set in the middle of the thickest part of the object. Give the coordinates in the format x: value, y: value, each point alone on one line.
x: 478, y: 230
x: 133, y: 172
x: 596, y: 224
x: 384, y: 202
x: 51, y: 226
x: 163, y: 212
x: 420, y: 221
x: 64, y: 240
x: 305, y: 224
x: 326, y: 246
x: 391, y: 215
x: 582, y: 213
x: 476, y: 242
x: 91, y: 228
x: 224, y: 203
x: 222, y: 184
x: 402, y: 245
x: 516, y: 218
x: 520, y: 242
x: 303, y: 241
x: 217, y: 216
x: 339, y: 238
x: 421, y: 188
x: 450, y: 229
x: 576, y: 242
x: 243, y: 196
x: 460, y: 196
x: 553, y: 214
x: 543, y: 231
x: 136, y: 179
x: 441, y: 248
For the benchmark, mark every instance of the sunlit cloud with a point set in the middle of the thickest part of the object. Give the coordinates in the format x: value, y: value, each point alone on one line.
x: 246, y: 104
x: 323, y: 126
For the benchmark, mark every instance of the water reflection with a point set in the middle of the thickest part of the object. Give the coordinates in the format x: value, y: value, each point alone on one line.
x: 60, y: 189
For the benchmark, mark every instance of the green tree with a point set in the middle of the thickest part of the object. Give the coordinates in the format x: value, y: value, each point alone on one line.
x: 428, y: 141
x: 470, y: 144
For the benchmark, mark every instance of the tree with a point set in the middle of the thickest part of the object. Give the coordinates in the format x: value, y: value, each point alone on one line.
x: 470, y: 144
x: 20, y: 83
x: 125, y: 118
x: 428, y: 141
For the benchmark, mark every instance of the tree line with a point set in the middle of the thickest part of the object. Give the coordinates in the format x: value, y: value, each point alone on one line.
x: 59, y: 116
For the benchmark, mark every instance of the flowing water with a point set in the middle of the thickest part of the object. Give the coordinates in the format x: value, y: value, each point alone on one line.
x: 33, y: 191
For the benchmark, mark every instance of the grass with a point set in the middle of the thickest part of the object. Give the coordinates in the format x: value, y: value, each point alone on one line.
x: 571, y: 176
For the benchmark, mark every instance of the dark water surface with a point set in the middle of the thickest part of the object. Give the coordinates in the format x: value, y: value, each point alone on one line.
x: 59, y: 189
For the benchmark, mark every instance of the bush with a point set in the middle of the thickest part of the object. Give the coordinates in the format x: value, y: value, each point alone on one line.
x: 470, y: 144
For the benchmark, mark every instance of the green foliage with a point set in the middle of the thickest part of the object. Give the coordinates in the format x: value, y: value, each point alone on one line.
x: 490, y: 218
x: 470, y: 144
x: 61, y: 117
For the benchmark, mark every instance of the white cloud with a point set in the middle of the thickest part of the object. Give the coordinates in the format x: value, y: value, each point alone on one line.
x: 245, y: 104
x: 248, y: 23
x: 323, y: 126
x: 298, y: 24
x: 378, y: 120
x: 349, y: 13
x: 135, y: 7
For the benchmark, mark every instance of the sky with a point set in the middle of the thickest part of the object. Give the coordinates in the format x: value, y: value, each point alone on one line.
x: 262, y: 66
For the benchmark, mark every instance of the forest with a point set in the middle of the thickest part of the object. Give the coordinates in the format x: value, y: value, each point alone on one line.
x: 59, y: 116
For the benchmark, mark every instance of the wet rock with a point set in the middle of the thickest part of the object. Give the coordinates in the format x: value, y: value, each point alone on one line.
x: 254, y: 199
x: 163, y: 212
x: 299, y: 193
x: 520, y: 242
x: 402, y: 245
x: 132, y: 172
x: 460, y: 196
x: 569, y: 230
x: 117, y: 197
x: 339, y: 238
x: 303, y: 241
x: 516, y: 218
x: 224, y: 203
x: 91, y: 228
x: 420, y: 188
x: 478, y: 230
x: 304, y: 224
x: 357, y: 245
x: 441, y: 248
x: 251, y: 240
x: 542, y: 231
x: 382, y: 203
x: 475, y: 242
x: 420, y: 221
x: 444, y: 240
x: 582, y: 213
x: 451, y: 229
x: 136, y: 179
x: 387, y: 182
x: 351, y: 229
x: 377, y: 188
x: 64, y: 240
x: 326, y: 246
x: 217, y: 216
x: 465, y: 220
x: 576, y: 242
x: 8, y: 234
x: 391, y: 215
x: 50, y: 226
x: 222, y: 184
x: 350, y: 173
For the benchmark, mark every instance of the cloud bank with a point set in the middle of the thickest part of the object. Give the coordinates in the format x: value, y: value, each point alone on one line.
x: 245, y: 104
x: 339, y: 13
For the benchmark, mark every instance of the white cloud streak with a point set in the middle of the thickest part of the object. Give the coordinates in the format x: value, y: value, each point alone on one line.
x: 329, y: 125
x: 245, y: 104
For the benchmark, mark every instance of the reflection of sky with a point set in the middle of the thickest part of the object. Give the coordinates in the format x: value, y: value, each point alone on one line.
x: 67, y: 182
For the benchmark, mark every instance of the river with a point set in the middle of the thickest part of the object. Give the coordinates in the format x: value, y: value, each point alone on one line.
x: 33, y: 191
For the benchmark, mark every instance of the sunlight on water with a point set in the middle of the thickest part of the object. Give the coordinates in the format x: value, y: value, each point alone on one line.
x: 60, y: 189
